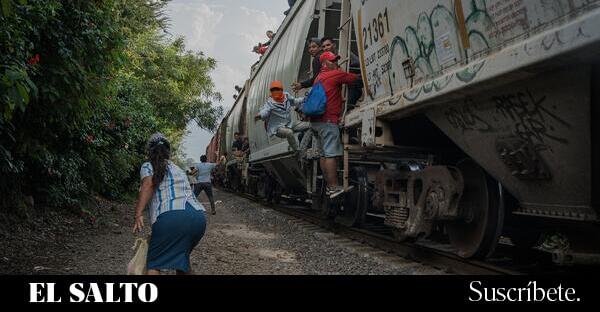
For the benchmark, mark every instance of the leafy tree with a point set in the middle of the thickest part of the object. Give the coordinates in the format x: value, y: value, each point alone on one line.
x: 83, y: 84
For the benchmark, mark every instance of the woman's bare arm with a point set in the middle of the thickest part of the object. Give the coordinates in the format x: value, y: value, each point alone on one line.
x: 145, y: 195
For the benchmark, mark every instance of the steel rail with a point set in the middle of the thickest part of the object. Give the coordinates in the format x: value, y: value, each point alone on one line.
x: 439, y: 259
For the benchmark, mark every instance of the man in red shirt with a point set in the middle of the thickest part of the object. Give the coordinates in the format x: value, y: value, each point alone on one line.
x: 326, y: 126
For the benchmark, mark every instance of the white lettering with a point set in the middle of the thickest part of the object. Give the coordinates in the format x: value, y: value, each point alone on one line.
x: 568, y: 292
x: 530, y: 293
x: 128, y: 291
x: 36, y: 296
x: 110, y: 294
x: 153, y: 292
x: 94, y: 292
x: 475, y: 290
x: 34, y: 293
x: 51, y: 298
x: 77, y: 294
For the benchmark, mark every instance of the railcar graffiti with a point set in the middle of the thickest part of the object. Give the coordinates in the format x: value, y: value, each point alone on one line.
x: 466, y: 118
x: 520, y: 114
x: 433, y: 44
x: 531, y: 120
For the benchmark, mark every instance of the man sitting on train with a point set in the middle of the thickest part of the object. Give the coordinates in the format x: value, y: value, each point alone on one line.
x: 326, y: 126
x: 246, y: 147
x: 271, y: 36
x: 277, y: 115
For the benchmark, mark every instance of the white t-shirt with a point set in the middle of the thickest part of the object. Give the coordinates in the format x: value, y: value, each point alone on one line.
x: 204, y: 170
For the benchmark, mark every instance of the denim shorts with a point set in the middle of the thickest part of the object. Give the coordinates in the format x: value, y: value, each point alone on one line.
x: 328, y: 138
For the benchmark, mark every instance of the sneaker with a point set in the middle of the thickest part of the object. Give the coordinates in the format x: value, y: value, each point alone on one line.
x: 335, y: 191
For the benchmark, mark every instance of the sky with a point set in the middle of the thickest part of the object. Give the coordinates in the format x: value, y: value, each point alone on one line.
x: 225, y: 30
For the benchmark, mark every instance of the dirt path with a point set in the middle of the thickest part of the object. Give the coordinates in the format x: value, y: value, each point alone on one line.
x: 243, y: 238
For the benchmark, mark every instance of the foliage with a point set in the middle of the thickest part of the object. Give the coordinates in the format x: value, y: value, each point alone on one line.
x: 83, y: 84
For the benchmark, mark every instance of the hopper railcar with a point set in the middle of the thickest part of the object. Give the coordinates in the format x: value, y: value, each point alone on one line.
x: 476, y: 123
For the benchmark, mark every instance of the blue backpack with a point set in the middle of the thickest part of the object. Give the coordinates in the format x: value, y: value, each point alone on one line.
x: 316, y: 101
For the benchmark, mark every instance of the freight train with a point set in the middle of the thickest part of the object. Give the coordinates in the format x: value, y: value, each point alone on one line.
x: 477, y: 122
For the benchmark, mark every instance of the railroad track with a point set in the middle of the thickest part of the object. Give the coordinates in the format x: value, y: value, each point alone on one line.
x: 437, y: 255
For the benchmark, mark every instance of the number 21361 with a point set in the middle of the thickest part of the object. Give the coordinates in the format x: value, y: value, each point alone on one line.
x: 376, y: 29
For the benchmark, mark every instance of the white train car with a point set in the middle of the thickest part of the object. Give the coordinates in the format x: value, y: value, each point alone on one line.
x: 498, y: 92
x: 285, y: 60
x: 476, y: 121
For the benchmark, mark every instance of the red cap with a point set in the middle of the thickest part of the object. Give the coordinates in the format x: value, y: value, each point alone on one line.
x: 329, y: 56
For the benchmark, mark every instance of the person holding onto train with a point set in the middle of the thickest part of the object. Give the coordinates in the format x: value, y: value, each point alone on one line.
x: 177, y: 218
x: 314, y: 49
x: 223, y: 159
x: 246, y: 147
x: 326, y: 126
x: 260, y: 49
x: 355, y: 89
x: 271, y: 36
x: 277, y: 115
x: 237, y: 145
x: 220, y: 170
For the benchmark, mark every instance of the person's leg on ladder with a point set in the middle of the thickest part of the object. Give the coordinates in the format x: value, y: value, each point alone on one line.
x: 287, y: 133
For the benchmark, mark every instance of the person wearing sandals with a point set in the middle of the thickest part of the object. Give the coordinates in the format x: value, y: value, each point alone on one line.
x: 177, y: 218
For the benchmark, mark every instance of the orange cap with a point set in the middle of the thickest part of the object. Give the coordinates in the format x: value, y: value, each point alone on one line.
x: 276, y: 85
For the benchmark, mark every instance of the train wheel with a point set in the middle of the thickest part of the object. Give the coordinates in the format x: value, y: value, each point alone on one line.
x: 357, y: 201
x: 400, y: 235
x: 328, y: 208
x: 269, y: 189
x: 261, y: 187
x: 483, y: 206
x: 277, y: 193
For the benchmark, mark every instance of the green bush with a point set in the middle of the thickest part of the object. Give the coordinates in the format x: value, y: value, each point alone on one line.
x: 83, y: 85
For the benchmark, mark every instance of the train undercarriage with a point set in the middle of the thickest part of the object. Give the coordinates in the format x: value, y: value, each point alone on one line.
x: 421, y: 182
x: 464, y: 135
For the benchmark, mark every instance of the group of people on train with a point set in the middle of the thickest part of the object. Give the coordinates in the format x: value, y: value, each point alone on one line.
x: 177, y: 217
x: 325, y: 126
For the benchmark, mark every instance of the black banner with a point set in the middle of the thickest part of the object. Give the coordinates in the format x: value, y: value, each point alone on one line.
x: 262, y: 291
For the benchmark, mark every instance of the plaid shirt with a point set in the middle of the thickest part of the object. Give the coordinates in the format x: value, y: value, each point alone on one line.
x: 173, y: 192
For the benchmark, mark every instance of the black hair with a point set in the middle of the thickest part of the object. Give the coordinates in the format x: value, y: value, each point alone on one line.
x: 314, y: 40
x: 203, y: 158
x: 237, y: 133
x: 159, y: 153
x: 326, y: 39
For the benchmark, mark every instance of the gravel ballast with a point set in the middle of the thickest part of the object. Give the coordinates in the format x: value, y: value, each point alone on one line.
x: 243, y: 238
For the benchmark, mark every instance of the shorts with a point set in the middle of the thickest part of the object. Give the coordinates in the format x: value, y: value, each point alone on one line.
x: 328, y: 138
